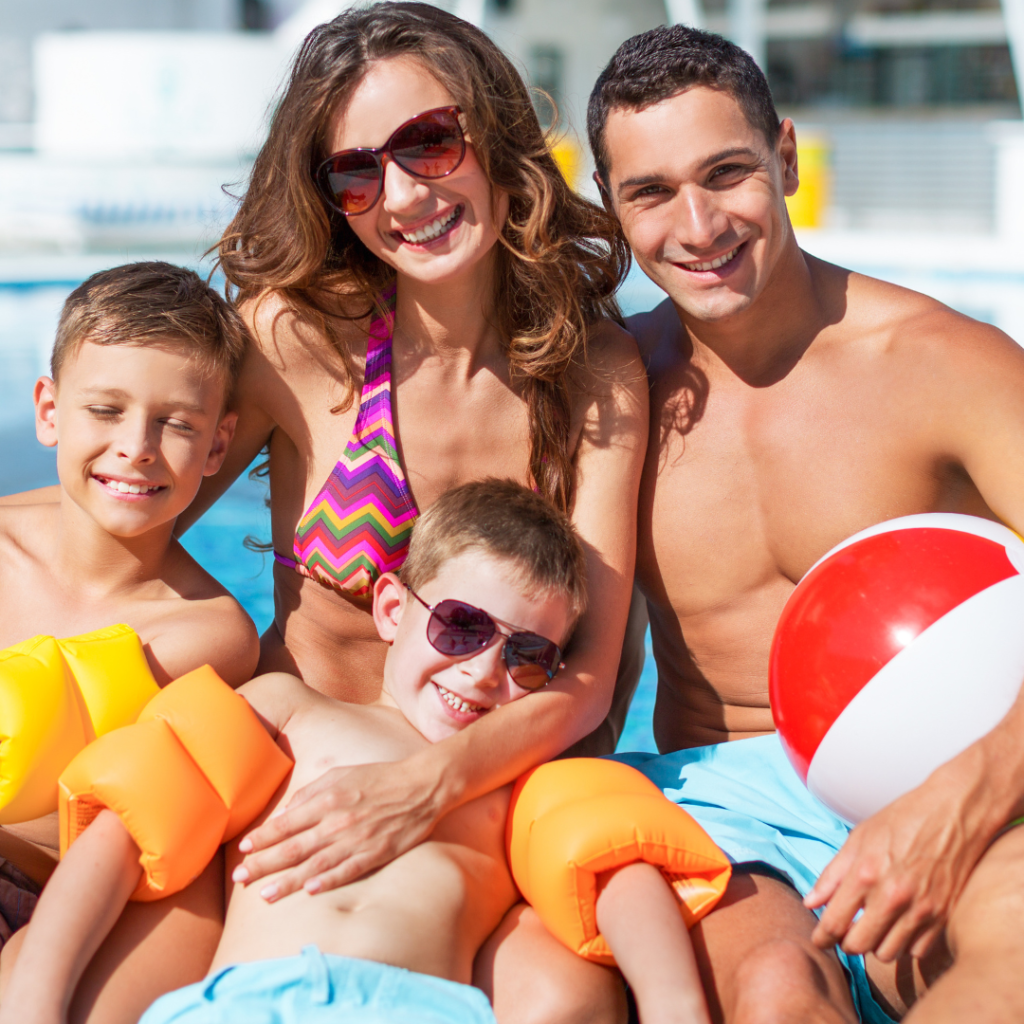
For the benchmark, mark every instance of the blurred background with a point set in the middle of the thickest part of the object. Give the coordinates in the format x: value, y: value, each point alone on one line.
x: 127, y: 126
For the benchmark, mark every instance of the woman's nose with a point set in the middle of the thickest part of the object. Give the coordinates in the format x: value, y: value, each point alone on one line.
x: 402, y: 190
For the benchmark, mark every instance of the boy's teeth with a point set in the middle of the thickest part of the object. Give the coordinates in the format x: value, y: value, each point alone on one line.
x: 123, y: 488
x: 456, y: 701
x: 713, y: 264
x: 434, y: 229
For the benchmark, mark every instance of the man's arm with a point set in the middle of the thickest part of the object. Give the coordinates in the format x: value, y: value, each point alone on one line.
x: 78, y: 907
x: 906, y: 865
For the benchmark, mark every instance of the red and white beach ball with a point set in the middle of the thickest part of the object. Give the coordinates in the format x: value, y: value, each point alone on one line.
x: 898, y: 649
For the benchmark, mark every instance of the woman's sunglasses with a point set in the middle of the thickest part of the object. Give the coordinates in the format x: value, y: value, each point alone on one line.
x: 430, y: 145
x: 456, y: 629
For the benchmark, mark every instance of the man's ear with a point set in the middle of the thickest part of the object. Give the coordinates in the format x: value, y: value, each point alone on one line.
x: 221, y: 440
x: 389, y: 597
x: 45, y: 398
x: 605, y: 197
x: 786, y: 148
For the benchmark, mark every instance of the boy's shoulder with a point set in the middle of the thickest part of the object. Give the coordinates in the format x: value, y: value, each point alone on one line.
x: 198, y: 622
x: 319, y: 732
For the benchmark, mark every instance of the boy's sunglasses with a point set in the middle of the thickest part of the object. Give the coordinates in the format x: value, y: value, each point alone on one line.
x: 456, y: 629
x: 430, y: 145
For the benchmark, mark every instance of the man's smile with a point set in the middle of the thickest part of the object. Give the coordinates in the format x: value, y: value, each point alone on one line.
x: 713, y: 264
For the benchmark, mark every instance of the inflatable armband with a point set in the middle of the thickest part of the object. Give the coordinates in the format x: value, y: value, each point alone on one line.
x: 196, y: 768
x: 56, y: 696
x: 571, y: 822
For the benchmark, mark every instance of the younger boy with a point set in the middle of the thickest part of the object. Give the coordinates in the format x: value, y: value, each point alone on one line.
x: 145, y: 358
x: 490, y: 592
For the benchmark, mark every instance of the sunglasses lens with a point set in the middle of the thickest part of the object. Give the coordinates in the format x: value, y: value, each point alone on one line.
x: 532, y: 660
x: 431, y: 146
x: 456, y: 628
x: 352, y: 181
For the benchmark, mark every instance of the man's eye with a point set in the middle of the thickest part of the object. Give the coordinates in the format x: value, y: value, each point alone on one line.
x: 647, y: 191
x: 104, y: 412
x: 727, y: 171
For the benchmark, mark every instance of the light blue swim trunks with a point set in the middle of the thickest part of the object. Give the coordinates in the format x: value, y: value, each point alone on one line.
x: 318, y: 988
x: 749, y: 799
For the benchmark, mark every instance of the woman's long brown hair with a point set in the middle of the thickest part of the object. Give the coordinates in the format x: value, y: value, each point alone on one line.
x: 560, y: 260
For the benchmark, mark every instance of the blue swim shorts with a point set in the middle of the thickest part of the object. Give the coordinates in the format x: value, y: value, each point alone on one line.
x: 749, y: 799
x: 318, y: 988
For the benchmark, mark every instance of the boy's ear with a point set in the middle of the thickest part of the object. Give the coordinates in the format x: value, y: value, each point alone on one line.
x: 45, y: 398
x: 221, y: 440
x: 389, y: 597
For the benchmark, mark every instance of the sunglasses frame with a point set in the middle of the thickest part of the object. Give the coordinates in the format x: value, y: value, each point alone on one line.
x: 498, y: 631
x: 378, y: 154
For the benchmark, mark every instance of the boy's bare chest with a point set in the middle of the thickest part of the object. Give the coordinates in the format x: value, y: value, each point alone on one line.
x: 38, y: 603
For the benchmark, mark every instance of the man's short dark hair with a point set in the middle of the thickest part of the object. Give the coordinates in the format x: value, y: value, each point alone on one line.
x: 661, y: 63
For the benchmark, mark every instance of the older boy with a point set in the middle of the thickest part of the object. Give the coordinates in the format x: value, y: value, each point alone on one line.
x: 490, y: 592
x: 142, y: 368
x: 795, y: 403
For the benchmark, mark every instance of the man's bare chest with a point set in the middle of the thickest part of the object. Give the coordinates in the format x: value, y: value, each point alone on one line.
x: 752, y: 494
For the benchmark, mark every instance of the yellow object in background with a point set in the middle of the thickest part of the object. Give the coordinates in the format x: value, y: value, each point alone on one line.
x: 808, y: 207
x: 566, y: 152
x: 57, y: 696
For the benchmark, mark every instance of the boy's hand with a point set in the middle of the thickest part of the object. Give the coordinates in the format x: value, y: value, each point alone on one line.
x: 336, y: 829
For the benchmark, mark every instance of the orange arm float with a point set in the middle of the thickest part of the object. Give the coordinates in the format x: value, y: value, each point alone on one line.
x: 571, y: 822
x: 196, y: 768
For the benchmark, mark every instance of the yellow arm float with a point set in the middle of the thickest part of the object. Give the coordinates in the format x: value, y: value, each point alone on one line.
x: 56, y: 696
x: 572, y: 823
x: 196, y: 768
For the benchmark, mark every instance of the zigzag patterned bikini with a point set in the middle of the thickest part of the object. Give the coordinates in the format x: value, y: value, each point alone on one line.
x: 358, y: 526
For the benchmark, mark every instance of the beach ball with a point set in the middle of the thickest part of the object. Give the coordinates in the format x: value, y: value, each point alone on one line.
x: 898, y: 649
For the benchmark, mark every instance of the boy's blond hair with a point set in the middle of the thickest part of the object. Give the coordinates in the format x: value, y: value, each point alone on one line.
x: 507, y: 521
x: 147, y: 303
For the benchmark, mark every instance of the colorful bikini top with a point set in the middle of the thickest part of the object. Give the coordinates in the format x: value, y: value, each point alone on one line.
x: 358, y: 526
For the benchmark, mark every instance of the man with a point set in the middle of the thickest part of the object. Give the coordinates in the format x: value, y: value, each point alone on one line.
x: 794, y: 403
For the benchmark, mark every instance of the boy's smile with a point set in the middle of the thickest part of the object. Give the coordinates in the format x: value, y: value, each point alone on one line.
x: 136, y: 428
x: 442, y: 694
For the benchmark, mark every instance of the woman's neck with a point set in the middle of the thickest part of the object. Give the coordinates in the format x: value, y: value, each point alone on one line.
x: 451, y: 320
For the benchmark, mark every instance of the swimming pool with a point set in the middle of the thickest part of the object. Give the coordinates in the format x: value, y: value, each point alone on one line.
x: 28, y: 316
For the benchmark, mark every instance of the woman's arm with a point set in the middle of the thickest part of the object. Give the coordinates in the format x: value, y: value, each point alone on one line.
x: 252, y: 432
x: 78, y: 907
x: 355, y: 819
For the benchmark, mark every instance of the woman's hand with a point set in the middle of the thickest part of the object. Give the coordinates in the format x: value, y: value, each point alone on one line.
x: 336, y: 829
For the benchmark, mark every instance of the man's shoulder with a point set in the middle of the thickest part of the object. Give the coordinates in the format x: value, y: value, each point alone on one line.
x: 199, y: 622
x: 657, y: 332
x: 904, y: 324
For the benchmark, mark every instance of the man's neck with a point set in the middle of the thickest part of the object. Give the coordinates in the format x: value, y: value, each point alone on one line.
x: 762, y: 343
x: 93, y: 561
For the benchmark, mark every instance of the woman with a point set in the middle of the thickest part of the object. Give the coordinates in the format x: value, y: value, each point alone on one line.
x: 431, y: 304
